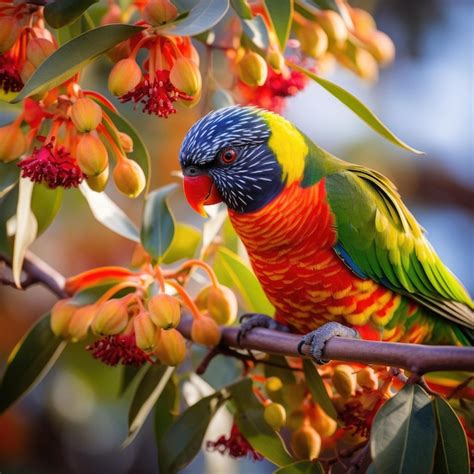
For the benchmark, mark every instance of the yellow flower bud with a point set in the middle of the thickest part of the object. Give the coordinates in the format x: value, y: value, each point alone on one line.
x: 306, y: 443
x: 111, y: 317
x: 253, y: 69
x: 333, y: 25
x: 295, y: 420
x: 367, y: 378
x: 99, y: 183
x: 381, y: 47
x: 158, y: 12
x: 170, y: 347
x: 38, y: 50
x: 205, y: 331
x: 186, y: 77
x: 124, y: 76
x: 313, y: 40
x: 129, y: 177
x: 27, y: 71
x: 365, y: 65
x: 363, y: 21
x: 344, y: 380
x: 80, y: 322
x: 321, y: 422
x: 222, y: 304
x: 145, y: 331
x: 276, y: 60
x: 165, y: 310
x: 275, y: 415
x: 12, y: 143
x: 273, y: 384
x: 86, y: 114
x: 61, y: 314
x: 91, y: 155
x: 9, y: 32
x: 126, y: 142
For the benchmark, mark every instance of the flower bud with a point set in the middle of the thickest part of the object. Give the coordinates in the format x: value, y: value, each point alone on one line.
x: 364, y: 23
x: 222, y: 304
x: 129, y: 177
x: 295, y: 420
x: 205, y: 331
x: 80, y: 322
x: 186, y: 77
x: 126, y: 142
x: 313, y: 40
x: 276, y: 60
x: 27, y: 71
x: 253, y: 69
x: 119, y: 51
x: 124, y: 76
x: 306, y: 443
x: 321, y: 422
x: 158, y: 12
x: 381, y: 47
x: 273, y: 384
x: 333, y: 25
x: 275, y: 415
x: 145, y: 331
x: 344, y: 380
x: 86, y: 115
x: 91, y: 155
x: 165, y: 310
x: 111, y: 317
x: 367, y: 378
x: 99, y: 183
x: 12, y: 143
x: 61, y: 314
x: 170, y: 347
x: 365, y: 65
x: 38, y: 50
x: 9, y: 32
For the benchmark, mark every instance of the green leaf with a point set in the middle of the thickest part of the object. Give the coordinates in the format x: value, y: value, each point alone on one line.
x: 74, y: 56
x: 26, y: 228
x: 361, y: 110
x: 317, y: 389
x: 184, y: 244
x: 58, y: 13
x: 8, y: 205
x: 29, y: 362
x: 256, y: 32
x: 242, y: 9
x: 452, y: 451
x: 182, y: 441
x: 403, y: 436
x: 45, y: 204
x: 9, y: 175
x: 80, y: 25
x: 109, y: 214
x: 280, y: 13
x: 203, y: 16
x: 148, y: 391
x: 232, y: 271
x: 251, y: 423
x: 158, y: 224
x: 128, y: 376
x: 301, y: 467
x: 326, y: 5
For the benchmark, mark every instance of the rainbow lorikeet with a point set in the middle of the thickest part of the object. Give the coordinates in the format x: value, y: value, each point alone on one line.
x: 330, y: 241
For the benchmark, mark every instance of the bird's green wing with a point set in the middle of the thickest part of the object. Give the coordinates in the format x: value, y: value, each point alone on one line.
x: 379, y: 238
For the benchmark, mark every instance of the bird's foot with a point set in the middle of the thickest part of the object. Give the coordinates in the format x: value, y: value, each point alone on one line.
x: 250, y: 321
x: 317, y: 339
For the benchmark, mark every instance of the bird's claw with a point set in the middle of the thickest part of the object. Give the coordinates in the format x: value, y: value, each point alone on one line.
x: 316, y: 340
x: 250, y: 321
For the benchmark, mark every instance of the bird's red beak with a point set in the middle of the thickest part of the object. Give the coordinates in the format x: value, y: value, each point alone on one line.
x: 199, y: 191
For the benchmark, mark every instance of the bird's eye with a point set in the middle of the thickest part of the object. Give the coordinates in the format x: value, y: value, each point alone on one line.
x: 228, y: 156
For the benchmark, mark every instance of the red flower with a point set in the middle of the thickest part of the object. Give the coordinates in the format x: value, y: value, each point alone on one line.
x: 120, y: 349
x: 10, y: 80
x: 53, y: 166
x: 235, y: 445
x: 157, y: 95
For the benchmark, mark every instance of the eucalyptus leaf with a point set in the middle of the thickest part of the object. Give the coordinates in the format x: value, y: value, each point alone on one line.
x: 9, y: 175
x: 242, y: 9
x: 129, y: 374
x: 256, y: 32
x: 301, y: 467
x: 58, y: 13
x: 184, y: 244
x: 280, y: 13
x: 8, y: 204
x: 45, y: 204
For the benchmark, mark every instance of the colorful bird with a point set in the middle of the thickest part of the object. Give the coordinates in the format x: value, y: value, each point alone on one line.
x: 330, y: 241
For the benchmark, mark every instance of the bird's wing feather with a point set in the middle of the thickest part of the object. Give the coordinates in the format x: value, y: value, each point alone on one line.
x: 384, y: 242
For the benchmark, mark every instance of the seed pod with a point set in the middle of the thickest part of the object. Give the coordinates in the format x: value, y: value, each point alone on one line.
x: 164, y: 310
x: 80, y: 322
x: 321, y: 422
x: 27, y: 71
x: 306, y: 443
x: 253, y: 69
x: 99, y: 183
x: 124, y: 76
x: 111, y: 317
x: 364, y: 23
x: 275, y: 415
x: 313, y: 40
x: 145, y: 331
x: 38, y: 50
x: 222, y: 304
x: 61, y: 314
x: 381, y: 47
x: 129, y: 177
x: 126, y: 142
x: 205, y: 331
x: 344, y: 380
x: 86, y: 115
x: 367, y: 378
x: 9, y: 32
x: 170, y: 347
x: 333, y: 25
x: 12, y: 143
x: 91, y: 155
x: 158, y: 12
x: 186, y: 77
x: 273, y: 384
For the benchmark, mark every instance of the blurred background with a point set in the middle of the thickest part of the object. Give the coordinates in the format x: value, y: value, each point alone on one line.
x: 74, y: 422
